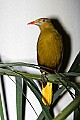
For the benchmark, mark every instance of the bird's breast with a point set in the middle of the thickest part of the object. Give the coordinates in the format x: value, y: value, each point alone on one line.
x: 49, y: 49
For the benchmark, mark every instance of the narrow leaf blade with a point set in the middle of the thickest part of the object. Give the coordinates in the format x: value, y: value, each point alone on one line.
x: 1, y: 110
x: 19, y: 98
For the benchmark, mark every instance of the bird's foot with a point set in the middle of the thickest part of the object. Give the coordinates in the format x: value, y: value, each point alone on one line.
x: 44, y: 78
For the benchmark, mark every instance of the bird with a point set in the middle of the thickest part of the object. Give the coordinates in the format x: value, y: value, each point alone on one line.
x: 49, y: 54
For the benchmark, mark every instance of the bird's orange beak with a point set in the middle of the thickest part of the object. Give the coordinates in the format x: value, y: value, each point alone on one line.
x: 31, y: 23
x: 36, y: 22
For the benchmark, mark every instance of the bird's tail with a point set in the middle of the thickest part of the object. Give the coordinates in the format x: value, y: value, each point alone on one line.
x: 47, y: 93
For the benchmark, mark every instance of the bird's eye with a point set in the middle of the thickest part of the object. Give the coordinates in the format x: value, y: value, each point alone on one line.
x: 44, y: 20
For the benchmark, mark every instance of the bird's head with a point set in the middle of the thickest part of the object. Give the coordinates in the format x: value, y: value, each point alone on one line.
x: 42, y: 23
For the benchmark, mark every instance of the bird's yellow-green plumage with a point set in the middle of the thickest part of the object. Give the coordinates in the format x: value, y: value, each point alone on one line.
x: 49, y: 48
x: 49, y: 53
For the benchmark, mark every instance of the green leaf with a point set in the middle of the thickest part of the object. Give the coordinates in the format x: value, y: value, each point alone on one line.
x: 8, y: 65
x: 76, y: 68
x: 1, y: 110
x: 73, y: 74
x: 69, y: 109
x: 8, y: 72
x: 77, y: 113
x: 71, y: 82
x: 19, y: 98
x: 58, y: 93
x: 19, y: 74
x: 41, y: 116
x: 54, y: 78
x: 39, y: 97
x: 76, y: 64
